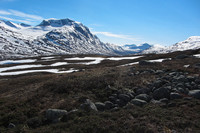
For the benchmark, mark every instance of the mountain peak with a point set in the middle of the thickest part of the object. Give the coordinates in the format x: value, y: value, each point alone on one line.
x: 194, y: 38
x: 57, y: 22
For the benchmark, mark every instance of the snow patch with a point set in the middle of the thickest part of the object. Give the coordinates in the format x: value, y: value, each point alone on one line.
x: 17, y: 61
x: 197, y: 55
x: 186, y: 66
x: 19, y: 67
x: 35, y: 71
x: 59, y: 64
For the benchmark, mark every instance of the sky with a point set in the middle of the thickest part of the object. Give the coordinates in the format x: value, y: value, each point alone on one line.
x: 120, y: 22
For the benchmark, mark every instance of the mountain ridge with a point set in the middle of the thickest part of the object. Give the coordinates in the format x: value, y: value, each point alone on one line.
x: 52, y: 36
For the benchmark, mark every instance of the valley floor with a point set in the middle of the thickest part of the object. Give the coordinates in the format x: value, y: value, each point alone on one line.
x: 148, y: 93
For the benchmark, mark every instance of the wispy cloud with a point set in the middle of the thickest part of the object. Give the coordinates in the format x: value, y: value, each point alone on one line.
x: 109, y: 34
x: 4, y: 12
x: 6, y: 0
x: 17, y: 20
x: 14, y: 15
x: 25, y: 15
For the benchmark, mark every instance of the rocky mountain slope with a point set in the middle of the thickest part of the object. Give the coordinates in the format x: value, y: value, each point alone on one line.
x: 51, y: 36
x: 192, y: 42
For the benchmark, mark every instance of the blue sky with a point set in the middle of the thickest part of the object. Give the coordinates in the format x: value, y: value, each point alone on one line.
x: 120, y: 22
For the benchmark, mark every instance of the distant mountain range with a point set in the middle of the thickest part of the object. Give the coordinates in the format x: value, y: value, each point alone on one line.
x: 65, y: 36
x: 192, y: 42
x: 133, y: 48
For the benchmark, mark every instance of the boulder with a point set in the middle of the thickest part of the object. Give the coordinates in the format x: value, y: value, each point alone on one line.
x: 182, y: 90
x: 161, y: 93
x: 180, y: 78
x: 11, y: 125
x: 108, y: 105
x: 144, y: 62
x: 70, y: 115
x: 142, y: 91
x: 175, y: 96
x: 112, y: 99
x: 158, y: 84
x: 100, y: 106
x: 88, y: 106
x: 120, y: 103
x: 194, y: 93
x: 54, y: 115
x: 138, y: 102
x: 183, y: 56
x: 144, y: 97
x: 159, y: 72
x: 197, y: 65
x: 124, y: 97
x: 164, y: 100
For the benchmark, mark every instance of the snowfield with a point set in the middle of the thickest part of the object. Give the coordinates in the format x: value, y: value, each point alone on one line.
x: 18, y: 64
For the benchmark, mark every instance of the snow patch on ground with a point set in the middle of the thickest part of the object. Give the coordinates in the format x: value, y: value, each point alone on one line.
x: 123, y: 58
x: 19, y: 67
x: 35, y: 71
x: 59, y: 64
x: 17, y: 61
x: 197, y: 55
x: 97, y: 60
x: 159, y: 60
x: 186, y: 66
x: 47, y: 58
x: 129, y: 64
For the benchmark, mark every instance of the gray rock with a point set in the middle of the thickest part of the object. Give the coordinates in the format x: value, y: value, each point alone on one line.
x: 54, y: 115
x: 183, y: 56
x: 124, y: 97
x: 197, y: 65
x: 197, y: 81
x: 70, y: 115
x: 11, y: 125
x: 180, y: 85
x: 155, y: 101
x: 120, y: 103
x: 112, y: 99
x: 100, y: 106
x: 159, y: 71
x: 164, y: 100
x: 172, y: 105
x: 182, y: 90
x: 158, y: 84
x: 190, y: 78
x: 138, y: 102
x: 108, y: 105
x: 173, y: 74
x: 161, y: 93
x: 144, y: 97
x: 195, y: 94
x: 144, y: 62
x: 175, y: 96
x: 142, y: 91
x: 130, y: 95
x: 88, y: 105
x: 180, y: 78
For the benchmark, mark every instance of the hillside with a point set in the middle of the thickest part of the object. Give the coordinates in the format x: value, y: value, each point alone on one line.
x: 98, y: 94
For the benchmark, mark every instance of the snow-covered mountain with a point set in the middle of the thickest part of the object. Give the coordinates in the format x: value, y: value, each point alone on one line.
x: 133, y: 48
x: 51, y: 36
x: 192, y: 42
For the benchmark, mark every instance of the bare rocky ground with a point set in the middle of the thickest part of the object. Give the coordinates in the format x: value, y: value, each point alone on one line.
x: 147, y: 97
